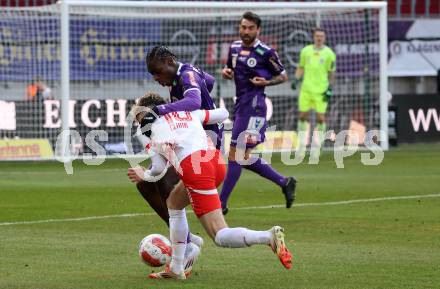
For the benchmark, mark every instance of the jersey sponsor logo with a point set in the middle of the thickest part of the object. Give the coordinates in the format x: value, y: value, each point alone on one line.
x: 182, y: 115
x: 251, y: 62
x: 245, y: 52
x: 178, y: 119
x: 259, y: 51
x: 242, y: 58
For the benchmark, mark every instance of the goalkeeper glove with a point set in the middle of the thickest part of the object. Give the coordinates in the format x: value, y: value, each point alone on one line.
x: 294, y: 83
x: 328, y: 93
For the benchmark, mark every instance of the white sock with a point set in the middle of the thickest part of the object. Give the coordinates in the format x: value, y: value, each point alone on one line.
x: 241, y: 237
x: 178, y: 235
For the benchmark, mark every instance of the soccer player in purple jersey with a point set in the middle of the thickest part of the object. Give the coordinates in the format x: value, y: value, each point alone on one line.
x: 253, y: 66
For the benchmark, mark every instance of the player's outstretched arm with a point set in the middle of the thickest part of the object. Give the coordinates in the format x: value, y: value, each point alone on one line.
x: 191, y: 101
x: 158, y: 164
x: 157, y: 170
x: 212, y: 116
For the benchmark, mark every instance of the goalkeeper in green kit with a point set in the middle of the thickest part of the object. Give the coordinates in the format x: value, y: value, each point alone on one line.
x: 317, y: 70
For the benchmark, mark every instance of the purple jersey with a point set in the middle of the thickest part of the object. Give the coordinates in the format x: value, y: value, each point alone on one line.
x: 190, y: 82
x: 248, y: 62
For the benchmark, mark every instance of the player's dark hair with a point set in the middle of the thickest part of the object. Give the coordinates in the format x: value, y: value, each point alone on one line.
x: 159, y: 53
x: 150, y: 99
x: 250, y: 16
x: 317, y: 29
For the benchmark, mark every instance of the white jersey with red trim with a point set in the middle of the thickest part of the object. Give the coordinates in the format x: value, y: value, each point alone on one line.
x: 177, y: 135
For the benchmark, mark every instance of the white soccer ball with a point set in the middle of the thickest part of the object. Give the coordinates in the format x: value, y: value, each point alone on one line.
x: 155, y: 250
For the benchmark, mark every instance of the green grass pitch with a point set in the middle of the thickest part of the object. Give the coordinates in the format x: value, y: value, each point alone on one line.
x: 382, y: 243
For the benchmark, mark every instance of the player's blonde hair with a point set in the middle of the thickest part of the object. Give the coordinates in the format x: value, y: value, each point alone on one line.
x: 148, y: 100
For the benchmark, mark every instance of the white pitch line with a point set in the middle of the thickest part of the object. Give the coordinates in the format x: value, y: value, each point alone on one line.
x: 77, y: 219
x: 347, y: 202
x: 61, y: 171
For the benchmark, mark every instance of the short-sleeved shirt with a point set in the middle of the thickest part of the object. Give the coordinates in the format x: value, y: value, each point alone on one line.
x: 190, y: 78
x: 248, y: 62
x: 317, y: 63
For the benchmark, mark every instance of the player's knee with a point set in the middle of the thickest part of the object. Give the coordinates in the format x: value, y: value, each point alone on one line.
x: 170, y: 203
x: 174, y: 203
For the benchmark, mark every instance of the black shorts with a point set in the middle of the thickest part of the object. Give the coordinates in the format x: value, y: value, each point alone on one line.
x: 166, y: 184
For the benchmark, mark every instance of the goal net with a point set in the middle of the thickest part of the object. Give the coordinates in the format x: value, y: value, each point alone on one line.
x: 79, y: 66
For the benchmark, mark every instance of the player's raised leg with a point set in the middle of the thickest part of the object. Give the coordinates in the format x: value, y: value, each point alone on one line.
x: 207, y: 207
x: 223, y: 236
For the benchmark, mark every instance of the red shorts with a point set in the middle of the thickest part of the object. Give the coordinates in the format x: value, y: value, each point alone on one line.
x: 202, y: 172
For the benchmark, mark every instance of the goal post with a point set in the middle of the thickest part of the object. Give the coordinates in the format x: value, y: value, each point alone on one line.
x: 91, y: 54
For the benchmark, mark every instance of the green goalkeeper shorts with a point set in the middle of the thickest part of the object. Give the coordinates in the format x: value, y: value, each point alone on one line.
x: 309, y: 101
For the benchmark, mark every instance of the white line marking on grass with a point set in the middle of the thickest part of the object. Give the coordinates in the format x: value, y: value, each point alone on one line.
x: 77, y: 219
x: 61, y: 171
x: 347, y: 202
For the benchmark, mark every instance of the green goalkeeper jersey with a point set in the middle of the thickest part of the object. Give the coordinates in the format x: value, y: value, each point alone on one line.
x: 317, y: 63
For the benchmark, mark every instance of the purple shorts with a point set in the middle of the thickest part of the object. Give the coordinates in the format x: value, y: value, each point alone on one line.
x: 248, y: 131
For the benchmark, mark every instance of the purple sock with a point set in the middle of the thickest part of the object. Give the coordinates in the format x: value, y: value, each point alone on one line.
x: 232, y: 176
x: 266, y: 171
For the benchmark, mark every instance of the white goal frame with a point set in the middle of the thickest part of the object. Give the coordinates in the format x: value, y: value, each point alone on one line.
x: 317, y: 6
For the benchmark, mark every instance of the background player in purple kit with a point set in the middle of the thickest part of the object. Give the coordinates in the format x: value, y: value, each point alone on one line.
x: 190, y: 90
x: 253, y: 65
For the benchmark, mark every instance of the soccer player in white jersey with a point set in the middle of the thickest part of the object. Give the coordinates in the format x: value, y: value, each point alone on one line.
x: 178, y: 138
